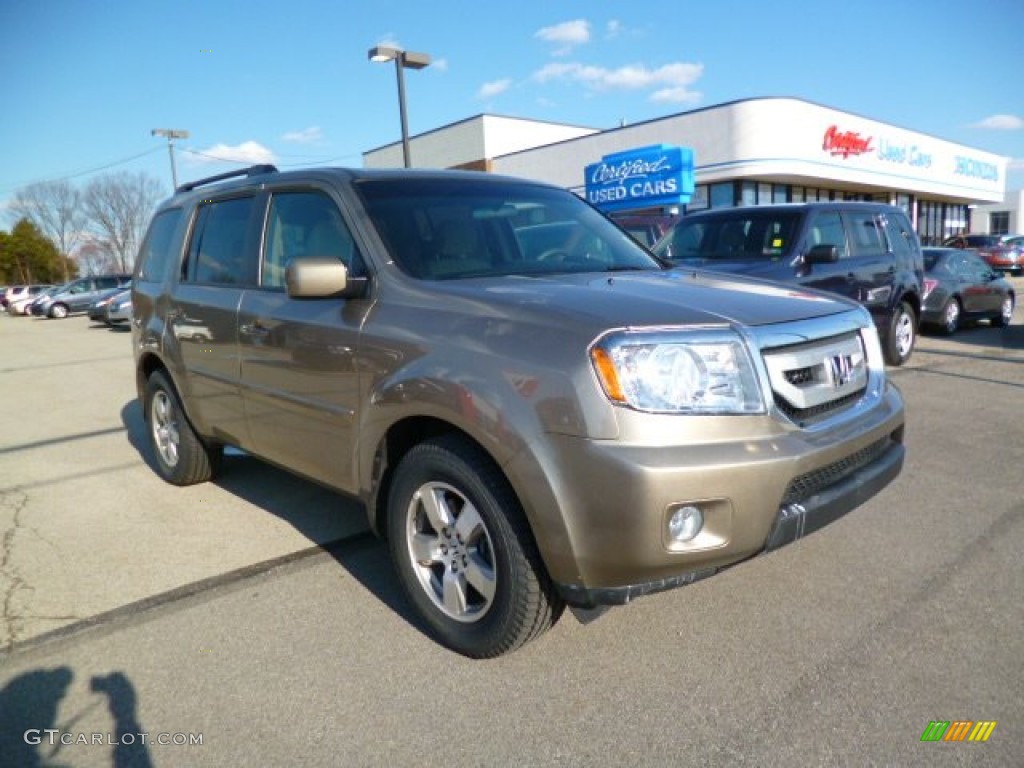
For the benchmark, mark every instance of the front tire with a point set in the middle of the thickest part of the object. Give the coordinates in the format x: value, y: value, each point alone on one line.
x: 951, y: 316
x: 464, y: 552
x: 899, y: 340
x: 1005, y: 313
x: 182, y: 458
x: 58, y: 311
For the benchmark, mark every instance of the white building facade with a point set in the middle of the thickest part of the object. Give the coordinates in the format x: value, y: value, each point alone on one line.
x: 748, y: 152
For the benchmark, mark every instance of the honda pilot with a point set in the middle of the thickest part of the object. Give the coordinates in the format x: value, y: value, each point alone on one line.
x: 533, y: 410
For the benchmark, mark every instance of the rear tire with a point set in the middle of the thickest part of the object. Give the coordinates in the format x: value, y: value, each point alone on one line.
x: 898, y: 344
x: 464, y: 552
x: 182, y: 458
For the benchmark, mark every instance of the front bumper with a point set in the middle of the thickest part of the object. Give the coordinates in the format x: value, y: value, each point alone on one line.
x: 757, y: 494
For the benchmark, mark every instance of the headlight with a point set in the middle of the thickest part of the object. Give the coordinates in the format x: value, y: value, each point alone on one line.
x: 707, y: 371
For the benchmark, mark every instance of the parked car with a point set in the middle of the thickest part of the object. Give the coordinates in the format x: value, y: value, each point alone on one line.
x: 77, y: 295
x: 1000, y: 253
x: 119, y: 308
x: 868, y: 252
x: 20, y: 303
x: 12, y: 292
x: 528, y: 423
x: 960, y: 287
x: 97, y: 310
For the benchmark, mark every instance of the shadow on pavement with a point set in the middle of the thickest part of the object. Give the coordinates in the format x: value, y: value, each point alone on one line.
x: 334, y: 523
x: 31, y: 737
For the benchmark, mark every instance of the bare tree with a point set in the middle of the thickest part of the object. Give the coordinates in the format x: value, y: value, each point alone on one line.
x: 55, y: 207
x: 118, y: 207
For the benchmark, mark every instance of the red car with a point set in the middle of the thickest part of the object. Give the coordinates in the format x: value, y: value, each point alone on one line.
x: 1001, y: 255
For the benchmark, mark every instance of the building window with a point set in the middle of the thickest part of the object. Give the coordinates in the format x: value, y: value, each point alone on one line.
x: 780, y: 193
x: 748, y: 193
x: 722, y: 195
x: 999, y: 223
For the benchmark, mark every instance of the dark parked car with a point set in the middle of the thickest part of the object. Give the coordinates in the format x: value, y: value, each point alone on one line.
x: 1000, y: 253
x: 98, y: 308
x: 959, y: 286
x: 77, y: 295
x: 868, y: 252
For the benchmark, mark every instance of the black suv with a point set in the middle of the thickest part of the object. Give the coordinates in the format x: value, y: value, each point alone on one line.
x: 868, y: 252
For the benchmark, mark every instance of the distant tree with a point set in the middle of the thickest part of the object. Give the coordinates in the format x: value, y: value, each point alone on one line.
x: 118, y: 207
x: 29, y: 256
x: 94, y: 257
x: 55, y: 207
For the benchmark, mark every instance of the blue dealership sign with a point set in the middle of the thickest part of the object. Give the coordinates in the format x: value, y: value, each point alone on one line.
x: 659, y: 175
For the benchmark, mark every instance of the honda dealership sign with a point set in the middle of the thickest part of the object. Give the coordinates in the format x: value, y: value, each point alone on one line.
x: 659, y: 175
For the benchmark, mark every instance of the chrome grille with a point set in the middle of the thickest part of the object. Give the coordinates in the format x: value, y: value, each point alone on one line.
x: 813, y: 380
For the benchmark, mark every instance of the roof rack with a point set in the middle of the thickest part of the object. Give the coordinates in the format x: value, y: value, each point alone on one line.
x: 252, y: 170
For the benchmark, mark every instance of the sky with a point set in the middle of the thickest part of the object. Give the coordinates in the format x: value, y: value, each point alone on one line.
x: 84, y: 83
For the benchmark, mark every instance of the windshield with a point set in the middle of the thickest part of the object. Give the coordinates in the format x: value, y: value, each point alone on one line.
x: 740, y: 235
x: 444, y: 229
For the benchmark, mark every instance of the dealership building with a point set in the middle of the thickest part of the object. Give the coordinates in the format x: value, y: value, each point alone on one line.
x: 748, y: 152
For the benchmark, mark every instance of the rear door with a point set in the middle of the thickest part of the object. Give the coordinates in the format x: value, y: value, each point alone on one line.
x: 871, y: 268
x: 298, y: 356
x: 202, y: 316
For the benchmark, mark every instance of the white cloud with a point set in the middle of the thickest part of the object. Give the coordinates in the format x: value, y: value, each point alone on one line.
x: 489, y: 90
x: 566, y: 35
x: 441, y: 65
x: 309, y: 135
x: 613, y: 28
x: 246, y: 152
x: 1015, y: 164
x: 679, y: 95
x: 1001, y: 123
x: 672, y: 81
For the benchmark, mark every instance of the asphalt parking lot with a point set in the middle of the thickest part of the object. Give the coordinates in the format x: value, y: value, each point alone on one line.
x: 844, y: 645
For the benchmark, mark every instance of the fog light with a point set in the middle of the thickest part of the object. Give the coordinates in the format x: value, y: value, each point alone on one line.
x: 685, y: 524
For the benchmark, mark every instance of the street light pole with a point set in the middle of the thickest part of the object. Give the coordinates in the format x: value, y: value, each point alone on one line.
x: 403, y: 60
x: 171, y: 135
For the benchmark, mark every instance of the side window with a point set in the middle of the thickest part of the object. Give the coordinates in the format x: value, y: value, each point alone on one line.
x: 900, y: 235
x: 827, y: 229
x: 102, y: 283
x: 866, y: 237
x: 217, y: 251
x: 305, y: 224
x: 155, y: 254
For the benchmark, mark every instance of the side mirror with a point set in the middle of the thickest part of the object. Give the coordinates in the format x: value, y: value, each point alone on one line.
x: 822, y: 254
x: 320, y: 277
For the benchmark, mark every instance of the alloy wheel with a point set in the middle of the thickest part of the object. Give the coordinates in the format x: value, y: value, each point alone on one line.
x: 451, y: 552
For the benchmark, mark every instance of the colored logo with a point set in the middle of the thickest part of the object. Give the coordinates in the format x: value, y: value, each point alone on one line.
x: 958, y: 730
x: 845, y: 143
x: 659, y: 175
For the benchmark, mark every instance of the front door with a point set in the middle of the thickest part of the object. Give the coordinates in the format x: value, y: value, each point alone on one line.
x: 298, y: 356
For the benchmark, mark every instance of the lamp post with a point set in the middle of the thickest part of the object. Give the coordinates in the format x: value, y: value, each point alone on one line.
x: 171, y: 135
x: 403, y: 60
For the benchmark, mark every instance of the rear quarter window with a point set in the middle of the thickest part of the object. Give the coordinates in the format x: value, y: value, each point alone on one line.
x: 156, y: 254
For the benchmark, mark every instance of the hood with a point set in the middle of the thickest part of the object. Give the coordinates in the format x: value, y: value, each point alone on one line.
x: 767, y: 269
x: 645, y: 298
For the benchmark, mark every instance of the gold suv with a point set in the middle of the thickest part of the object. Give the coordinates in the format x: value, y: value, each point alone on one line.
x: 534, y: 411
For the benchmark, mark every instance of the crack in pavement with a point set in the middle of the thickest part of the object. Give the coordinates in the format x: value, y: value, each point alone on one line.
x: 15, y: 501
